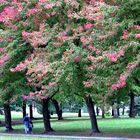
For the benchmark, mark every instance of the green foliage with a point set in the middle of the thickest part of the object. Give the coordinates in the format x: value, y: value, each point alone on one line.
x: 129, y: 12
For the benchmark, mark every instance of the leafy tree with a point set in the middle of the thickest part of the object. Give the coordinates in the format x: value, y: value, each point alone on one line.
x: 80, y: 46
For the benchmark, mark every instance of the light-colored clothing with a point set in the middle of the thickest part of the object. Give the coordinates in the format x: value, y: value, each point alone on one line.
x: 26, y: 129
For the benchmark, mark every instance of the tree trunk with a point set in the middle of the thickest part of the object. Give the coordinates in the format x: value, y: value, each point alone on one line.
x: 31, y: 111
x: 60, y: 115
x: 46, y: 115
x: 97, y: 111
x: 79, y: 113
x: 112, y: 111
x: 115, y: 110
x: 123, y: 110
x: 58, y: 110
x: 103, y: 112
x: 90, y: 106
x: 112, y: 108
x: 7, y: 112
x: 24, y: 109
x: 132, y: 113
x: 118, y: 111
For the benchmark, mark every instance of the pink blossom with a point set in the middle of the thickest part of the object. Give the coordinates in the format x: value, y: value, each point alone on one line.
x: 97, y: 51
x: 52, y: 84
x: 49, y: 6
x: 89, y: 12
x: 44, y: 97
x: 121, y: 53
x: 42, y: 27
x: 125, y: 35
x: 2, y: 50
x: 77, y: 59
x: 120, y: 83
x: 90, y: 57
x: 131, y: 66
x: 114, y: 56
x: 57, y: 44
x: 137, y: 35
x: 36, y: 84
x: 92, y: 67
x: 3, y: 59
x: 123, y: 77
x: 98, y: 18
x: 26, y: 97
x: 114, y: 87
x: 111, y: 33
x: 63, y: 38
x: 70, y: 15
x: 88, y: 26
x: 12, y: 70
x: 29, y: 58
x: 31, y: 94
x: 32, y: 11
x: 80, y: 29
x: 135, y: 27
x: 19, y: 67
x: 84, y: 40
x: 88, y: 84
x: 90, y: 47
x: 93, y: 2
x: 113, y: 59
x: 2, y: 1
x: 25, y: 34
x: 101, y: 37
x: 29, y: 79
x: 40, y: 76
x: 8, y: 13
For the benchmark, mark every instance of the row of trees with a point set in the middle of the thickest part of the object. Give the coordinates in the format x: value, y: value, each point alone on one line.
x: 84, y: 49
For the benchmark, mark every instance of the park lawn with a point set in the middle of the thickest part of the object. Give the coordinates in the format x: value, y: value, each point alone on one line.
x: 81, y: 126
x: 33, y: 138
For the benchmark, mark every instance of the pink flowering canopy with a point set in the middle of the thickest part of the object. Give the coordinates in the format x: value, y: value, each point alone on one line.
x: 76, y: 44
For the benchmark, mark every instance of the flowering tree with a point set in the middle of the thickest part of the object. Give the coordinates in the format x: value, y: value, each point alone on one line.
x: 11, y: 84
x: 12, y: 52
x: 80, y: 46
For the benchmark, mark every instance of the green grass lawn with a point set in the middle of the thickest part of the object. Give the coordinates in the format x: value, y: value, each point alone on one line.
x: 34, y: 138
x: 81, y: 126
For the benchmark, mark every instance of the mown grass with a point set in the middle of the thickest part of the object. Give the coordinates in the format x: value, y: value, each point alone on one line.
x: 81, y: 126
x: 34, y: 138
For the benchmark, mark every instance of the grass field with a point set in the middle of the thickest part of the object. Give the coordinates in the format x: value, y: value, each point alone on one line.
x: 35, y: 138
x: 124, y: 127
x: 25, y: 138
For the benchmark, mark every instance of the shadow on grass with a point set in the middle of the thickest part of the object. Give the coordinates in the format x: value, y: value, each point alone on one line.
x: 65, y: 119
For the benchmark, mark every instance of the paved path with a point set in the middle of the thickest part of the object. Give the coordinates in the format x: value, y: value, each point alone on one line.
x: 69, y: 137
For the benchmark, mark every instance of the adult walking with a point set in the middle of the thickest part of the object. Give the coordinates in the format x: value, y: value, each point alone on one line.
x: 26, y: 121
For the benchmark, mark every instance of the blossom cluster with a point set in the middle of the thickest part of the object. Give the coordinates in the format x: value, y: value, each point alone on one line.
x: 18, y: 68
x: 114, y: 56
x: 9, y: 13
x: 32, y: 11
x: 39, y: 94
x: 120, y: 83
x: 88, y: 84
x: 35, y: 38
x: 2, y: 50
x: 3, y: 59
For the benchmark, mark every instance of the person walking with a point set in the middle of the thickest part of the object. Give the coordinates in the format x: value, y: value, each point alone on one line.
x: 26, y: 121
